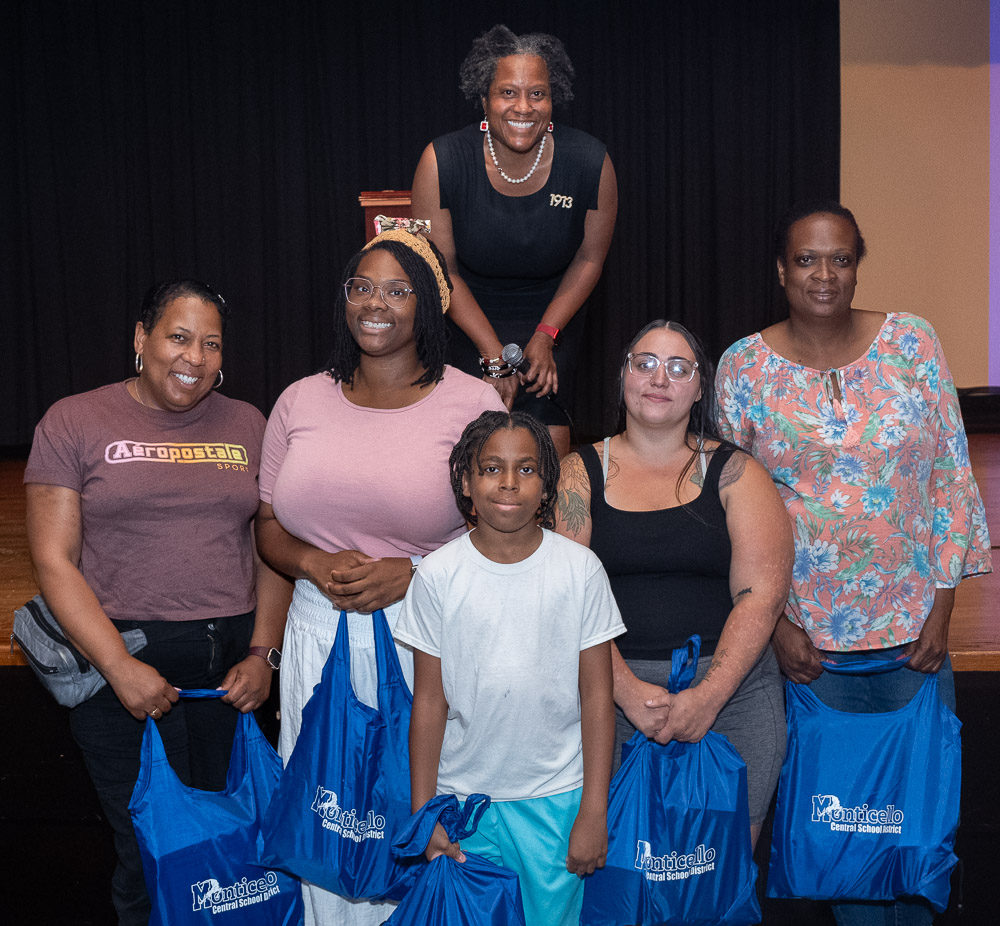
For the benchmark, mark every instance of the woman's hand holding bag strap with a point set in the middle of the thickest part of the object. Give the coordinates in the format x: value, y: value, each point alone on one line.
x: 679, y: 847
x: 868, y: 803
x: 197, y: 846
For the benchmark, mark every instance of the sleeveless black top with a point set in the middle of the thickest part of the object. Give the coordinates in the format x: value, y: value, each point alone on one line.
x: 669, y: 569
x: 513, y: 250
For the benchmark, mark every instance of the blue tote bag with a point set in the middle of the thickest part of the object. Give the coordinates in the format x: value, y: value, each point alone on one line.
x: 346, y: 787
x: 196, y: 846
x: 449, y: 893
x: 679, y: 847
x: 868, y: 804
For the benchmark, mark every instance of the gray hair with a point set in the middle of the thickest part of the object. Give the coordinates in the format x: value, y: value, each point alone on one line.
x: 480, y: 65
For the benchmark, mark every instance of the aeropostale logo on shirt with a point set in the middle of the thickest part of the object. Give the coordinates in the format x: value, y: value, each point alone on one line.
x: 225, y: 456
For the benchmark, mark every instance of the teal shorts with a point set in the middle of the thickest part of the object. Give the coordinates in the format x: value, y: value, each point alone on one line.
x: 531, y: 837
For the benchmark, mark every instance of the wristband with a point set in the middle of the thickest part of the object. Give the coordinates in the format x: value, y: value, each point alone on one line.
x: 549, y: 330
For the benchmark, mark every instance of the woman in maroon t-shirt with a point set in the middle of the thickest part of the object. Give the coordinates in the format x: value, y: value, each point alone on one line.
x: 140, y: 499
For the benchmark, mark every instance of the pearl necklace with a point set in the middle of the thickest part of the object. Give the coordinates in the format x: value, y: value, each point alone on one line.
x: 496, y: 163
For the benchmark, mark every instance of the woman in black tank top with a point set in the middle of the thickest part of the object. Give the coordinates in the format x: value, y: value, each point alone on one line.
x: 693, y: 535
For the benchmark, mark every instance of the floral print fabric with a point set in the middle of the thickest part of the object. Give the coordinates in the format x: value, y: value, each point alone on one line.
x: 883, y: 502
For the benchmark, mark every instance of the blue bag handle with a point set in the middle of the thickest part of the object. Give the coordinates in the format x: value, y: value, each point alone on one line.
x: 684, y: 664
x: 390, y: 672
x: 458, y: 822
x: 865, y: 666
x: 152, y: 749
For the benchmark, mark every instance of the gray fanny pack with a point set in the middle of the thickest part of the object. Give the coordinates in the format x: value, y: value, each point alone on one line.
x: 59, y: 665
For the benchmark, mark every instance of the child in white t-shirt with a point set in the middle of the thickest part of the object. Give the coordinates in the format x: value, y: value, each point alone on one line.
x: 511, y: 627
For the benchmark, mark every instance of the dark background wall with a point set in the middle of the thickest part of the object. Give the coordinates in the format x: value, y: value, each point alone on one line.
x: 229, y: 139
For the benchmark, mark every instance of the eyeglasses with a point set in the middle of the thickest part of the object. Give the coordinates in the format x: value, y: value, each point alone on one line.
x: 678, y: 369
x: 394, y: 293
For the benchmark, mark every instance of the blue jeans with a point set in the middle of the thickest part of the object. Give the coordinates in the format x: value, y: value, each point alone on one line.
x: 197, y: 735
x: 871, y: 694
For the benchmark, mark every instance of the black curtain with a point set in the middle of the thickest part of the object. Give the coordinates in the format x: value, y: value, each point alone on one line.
x: 228, y: 140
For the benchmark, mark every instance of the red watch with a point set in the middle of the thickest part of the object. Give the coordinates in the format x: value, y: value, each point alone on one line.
x: 549, y: 330
x: 269, y: 654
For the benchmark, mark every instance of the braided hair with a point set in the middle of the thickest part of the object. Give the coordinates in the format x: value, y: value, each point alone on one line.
x: 428, y: 322
x: 467, y: 451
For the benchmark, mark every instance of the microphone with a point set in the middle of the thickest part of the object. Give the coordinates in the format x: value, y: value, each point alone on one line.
x: 514, y: 357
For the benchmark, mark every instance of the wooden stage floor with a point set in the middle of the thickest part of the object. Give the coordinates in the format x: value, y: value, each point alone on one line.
x: 974, y: 640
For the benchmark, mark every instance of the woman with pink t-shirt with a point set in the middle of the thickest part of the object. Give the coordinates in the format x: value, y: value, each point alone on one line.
x: 354, y: 480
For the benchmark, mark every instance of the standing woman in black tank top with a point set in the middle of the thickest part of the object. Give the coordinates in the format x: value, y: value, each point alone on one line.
x: 523, y: 211
x: 690, y: 531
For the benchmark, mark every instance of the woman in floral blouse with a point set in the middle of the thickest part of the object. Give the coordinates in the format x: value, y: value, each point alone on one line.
x: 855, y: 415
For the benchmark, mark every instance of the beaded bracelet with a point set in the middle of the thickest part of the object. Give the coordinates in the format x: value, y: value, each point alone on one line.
x: 496, y: 367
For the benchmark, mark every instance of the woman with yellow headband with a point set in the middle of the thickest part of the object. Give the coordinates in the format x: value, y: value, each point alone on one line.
x: 354, y: 479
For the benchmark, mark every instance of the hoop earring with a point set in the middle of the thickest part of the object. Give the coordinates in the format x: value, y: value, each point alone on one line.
x: 484, y: 126
x: 138, y: 364
x: 219, y: 383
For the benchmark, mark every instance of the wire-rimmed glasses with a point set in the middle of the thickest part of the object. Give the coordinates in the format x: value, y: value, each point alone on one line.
x: 394, y: 293
x: 678, y: 369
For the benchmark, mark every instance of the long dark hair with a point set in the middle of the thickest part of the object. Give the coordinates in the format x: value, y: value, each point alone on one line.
x: 701, y: 419
x: 428, y: 323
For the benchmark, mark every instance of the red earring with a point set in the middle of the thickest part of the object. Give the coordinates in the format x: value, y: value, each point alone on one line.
x: 550, y: 128
x: 484, y: 126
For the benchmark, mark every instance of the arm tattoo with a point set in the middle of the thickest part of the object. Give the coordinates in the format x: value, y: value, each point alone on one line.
x: 720, y: 655
x: 734, y: 468
x: 573, y: 500
x: 743, y: 591
x: 573, y: 510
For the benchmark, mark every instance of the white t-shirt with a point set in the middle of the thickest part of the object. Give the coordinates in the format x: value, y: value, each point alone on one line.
x: 509, y: 637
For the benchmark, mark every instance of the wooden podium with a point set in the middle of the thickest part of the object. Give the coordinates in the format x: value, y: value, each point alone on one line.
x: 393, y: 203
